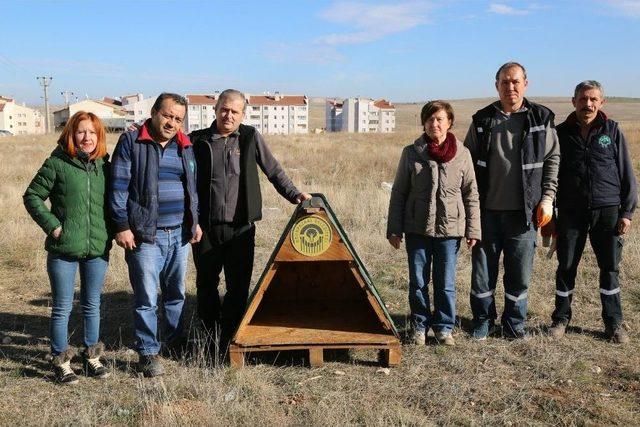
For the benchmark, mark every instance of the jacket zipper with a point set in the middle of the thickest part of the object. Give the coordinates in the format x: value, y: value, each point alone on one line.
x: 210, y: 148
x: 588, y: 164
x: 88, y: 211
x: 224, y: 179
x: 524, y: 190
x: 186, y: 168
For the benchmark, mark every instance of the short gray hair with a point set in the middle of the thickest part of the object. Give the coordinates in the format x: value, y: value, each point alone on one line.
x: 588, y: 84
x: 231, y: 93
x: 511, y: 64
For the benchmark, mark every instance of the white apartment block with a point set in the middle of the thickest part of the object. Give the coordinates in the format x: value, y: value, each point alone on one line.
x: 138, y: 108
x: 112, y: 115
x: 19, y: 119
x: 269, y: 114
x: 201, y: 112
x: 333, y: 115
x: 361, y: 115
x: 278, y: 114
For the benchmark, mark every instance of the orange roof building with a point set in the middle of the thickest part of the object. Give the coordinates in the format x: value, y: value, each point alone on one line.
x: 268, y: 113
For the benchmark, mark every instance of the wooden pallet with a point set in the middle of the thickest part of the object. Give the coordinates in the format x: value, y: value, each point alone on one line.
x: 389, y: 354
x: 314, y: 326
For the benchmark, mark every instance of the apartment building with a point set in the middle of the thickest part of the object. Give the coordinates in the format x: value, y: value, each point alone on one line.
x: 19, y: 119
x: 360, y: 115
x: 113, y: 116
x: 333, y: 115
x: 270, y: 114
x: 278, y: 114
x: 201, y: 111
x: 137, y: 107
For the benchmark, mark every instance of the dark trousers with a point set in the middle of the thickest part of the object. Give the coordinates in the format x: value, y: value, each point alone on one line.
x: 231, y: 249
x: 507, y: 233
x: 601, y: 227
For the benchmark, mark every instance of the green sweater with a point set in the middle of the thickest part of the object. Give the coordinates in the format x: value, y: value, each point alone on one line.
x: 76, y: 190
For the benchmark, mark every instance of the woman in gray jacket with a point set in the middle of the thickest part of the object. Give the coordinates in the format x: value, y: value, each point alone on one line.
x: 434, y: 203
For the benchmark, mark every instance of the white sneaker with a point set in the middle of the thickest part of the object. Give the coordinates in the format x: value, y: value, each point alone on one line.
x: 419, y: 337
x: 445, y: 338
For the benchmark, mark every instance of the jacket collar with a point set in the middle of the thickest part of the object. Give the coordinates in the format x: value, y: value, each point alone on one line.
x: 144, y: 135
x: 420, y: 146
x: 215, y: 133
x: 63, y: 155
x: 526, y: 106
x: 572, y: 119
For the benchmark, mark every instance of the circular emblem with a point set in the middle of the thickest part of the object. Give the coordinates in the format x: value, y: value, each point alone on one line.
x: 311, y: 235
x: 604, y: 141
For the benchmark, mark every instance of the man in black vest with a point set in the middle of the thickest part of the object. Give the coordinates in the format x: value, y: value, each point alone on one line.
x: 228, y: 155
x: 596, y: 197
x: 516, y: 155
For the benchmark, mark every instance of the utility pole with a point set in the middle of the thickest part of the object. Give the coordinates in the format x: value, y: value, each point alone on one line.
x: 67, y: 94
x: 45, y: 82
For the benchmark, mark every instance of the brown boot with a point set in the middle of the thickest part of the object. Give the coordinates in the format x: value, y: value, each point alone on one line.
x: 557, y: 330
x: 617, y: 335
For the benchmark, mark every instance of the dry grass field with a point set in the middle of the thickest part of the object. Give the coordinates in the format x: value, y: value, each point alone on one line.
x: 580, y: 380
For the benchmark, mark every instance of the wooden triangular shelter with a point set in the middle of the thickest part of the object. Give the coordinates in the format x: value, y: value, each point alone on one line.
x: 314, y: 294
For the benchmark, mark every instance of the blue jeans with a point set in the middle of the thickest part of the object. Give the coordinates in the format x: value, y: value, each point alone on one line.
x: 62, y: 276
x: 161, y: 264
x: 508, y: 232
x: 423, y: 252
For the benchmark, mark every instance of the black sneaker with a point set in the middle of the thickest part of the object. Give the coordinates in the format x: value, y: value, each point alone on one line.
x: 62, y: 368
x: 150, y: 365
x: 91, y: 362
x: 64, y: 374
x: 517, y: 334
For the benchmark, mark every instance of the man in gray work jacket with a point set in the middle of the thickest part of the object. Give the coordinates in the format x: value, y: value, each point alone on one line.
x: 228, y: 155
x: 515, y: 151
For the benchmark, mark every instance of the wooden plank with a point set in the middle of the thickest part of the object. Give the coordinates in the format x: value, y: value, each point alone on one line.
x: 391, y: 356
x: 314, y: 322
x: 236, y: 358
x: 395, y: 355
x: 253, y: 335
x: 346, y: 346
x: 316, y: 357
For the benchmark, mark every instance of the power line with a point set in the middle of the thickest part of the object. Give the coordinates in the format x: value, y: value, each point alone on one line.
x: 67, y: 94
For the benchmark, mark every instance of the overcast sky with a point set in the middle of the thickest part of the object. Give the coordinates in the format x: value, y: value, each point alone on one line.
x: 399, y: 50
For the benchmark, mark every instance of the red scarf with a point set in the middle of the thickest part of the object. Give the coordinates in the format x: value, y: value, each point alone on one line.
x: 444, y: 152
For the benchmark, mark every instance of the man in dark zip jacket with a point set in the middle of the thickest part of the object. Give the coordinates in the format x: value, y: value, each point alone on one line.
x: 596, y: 197
x: 515, y: 150
x: 154, y: 206
x: 228, y: 155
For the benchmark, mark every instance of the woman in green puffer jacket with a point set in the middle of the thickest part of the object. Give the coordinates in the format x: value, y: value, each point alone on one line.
x: 74, y: 180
